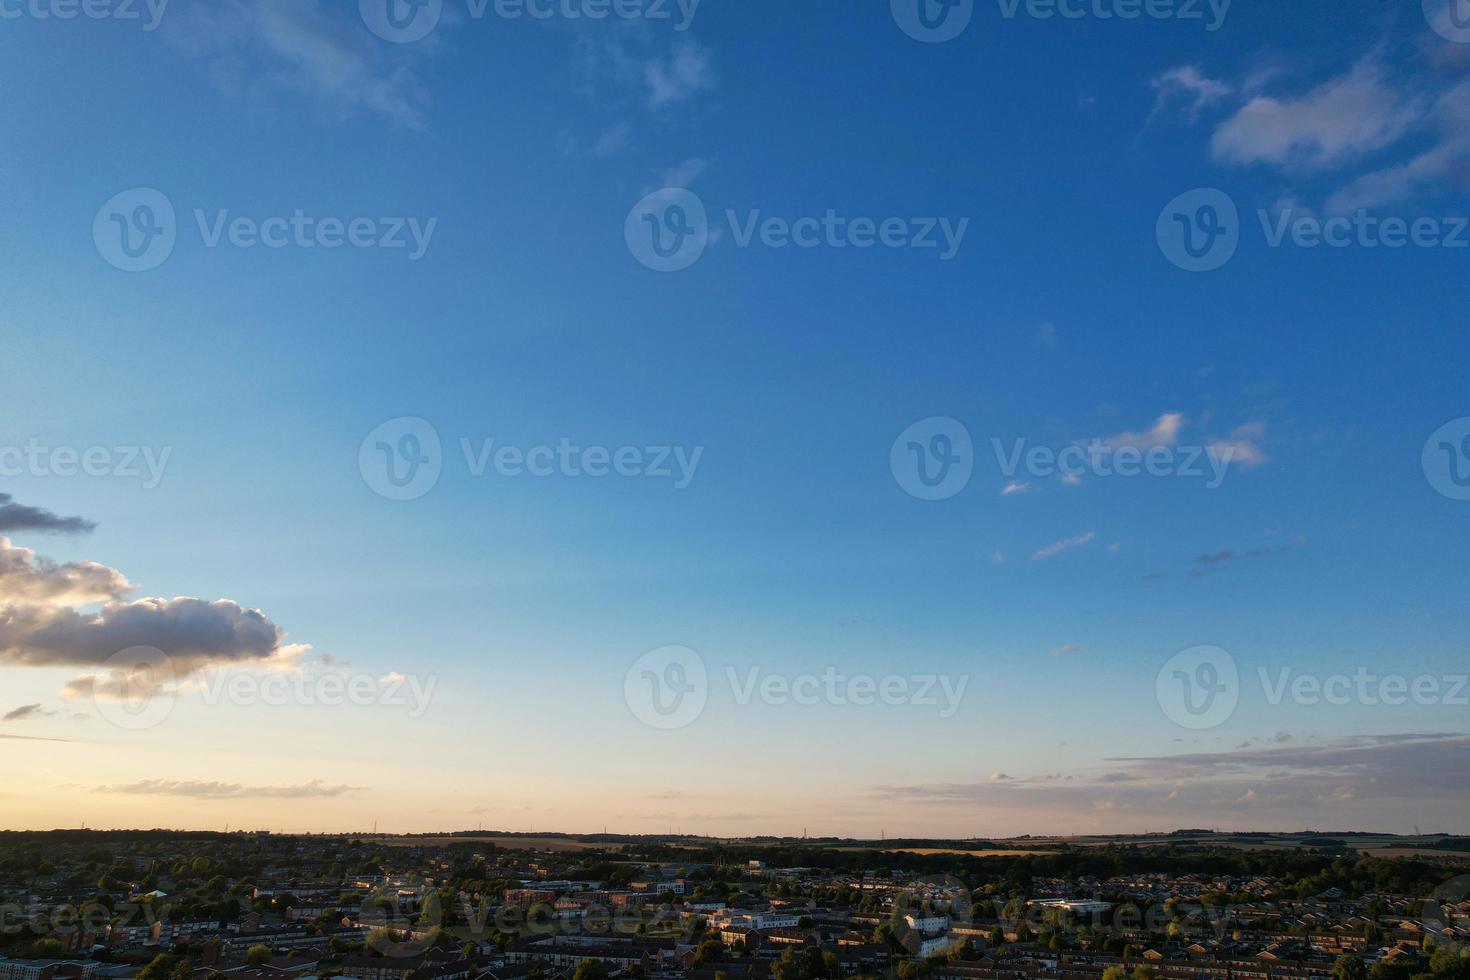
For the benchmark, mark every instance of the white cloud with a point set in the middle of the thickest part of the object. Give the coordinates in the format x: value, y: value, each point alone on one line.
x: 299, y: 45
x: 1057, y: 547
x: 1336, y: 122
x: 1187, y: 84
x: 25, y: 578
x: 1450, y: 117
x: 678, y: 77
x: 1243, y: 446
x: 1015, y: 486
x: 1164, y: 432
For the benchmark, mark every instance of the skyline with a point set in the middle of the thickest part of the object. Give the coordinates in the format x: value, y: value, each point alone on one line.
x: 941, y: 418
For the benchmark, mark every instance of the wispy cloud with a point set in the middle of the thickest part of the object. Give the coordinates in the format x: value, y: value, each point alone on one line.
x: 211, y: 790
x: 1242, y: 447
x: 305, y: 47
x: 26, y: 712
x: 1333, y: 123
x: 1057, y: 547
x: 678, y: 77
x: 1164, y: 432
x: 1188, y: 86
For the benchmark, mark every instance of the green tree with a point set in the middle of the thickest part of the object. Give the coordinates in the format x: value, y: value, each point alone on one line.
x: 161, y: 967
x: 590, y: 969
x: 46, y: 949
x: 710, y: 950
x: 258, y: 954
x: 1349, y: 967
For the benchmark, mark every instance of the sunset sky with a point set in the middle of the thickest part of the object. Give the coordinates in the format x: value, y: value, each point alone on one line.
x: 188, y: 451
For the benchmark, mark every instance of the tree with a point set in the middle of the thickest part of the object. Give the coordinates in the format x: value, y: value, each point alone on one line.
x: 1349, y: 967
x: 258, y: 954
x: 1115, y: 973
x: 161, y: 967
x: 709, y: 951
x: 590, y: 969
x: 46, y: 949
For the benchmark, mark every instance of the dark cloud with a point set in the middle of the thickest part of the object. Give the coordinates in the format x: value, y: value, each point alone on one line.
x: 20, y: 517
x: 1205, y: 564
x: 131, y: 647
x: 193, y: 633
x: 25, y: 712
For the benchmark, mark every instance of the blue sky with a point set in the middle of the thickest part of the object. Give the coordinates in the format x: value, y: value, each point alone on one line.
x: 1060, y: 319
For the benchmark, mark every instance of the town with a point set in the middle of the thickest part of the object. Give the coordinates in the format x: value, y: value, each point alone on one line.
x: 160, y: 905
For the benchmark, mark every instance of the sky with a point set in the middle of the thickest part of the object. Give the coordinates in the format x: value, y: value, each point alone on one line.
x: 967, y: 419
